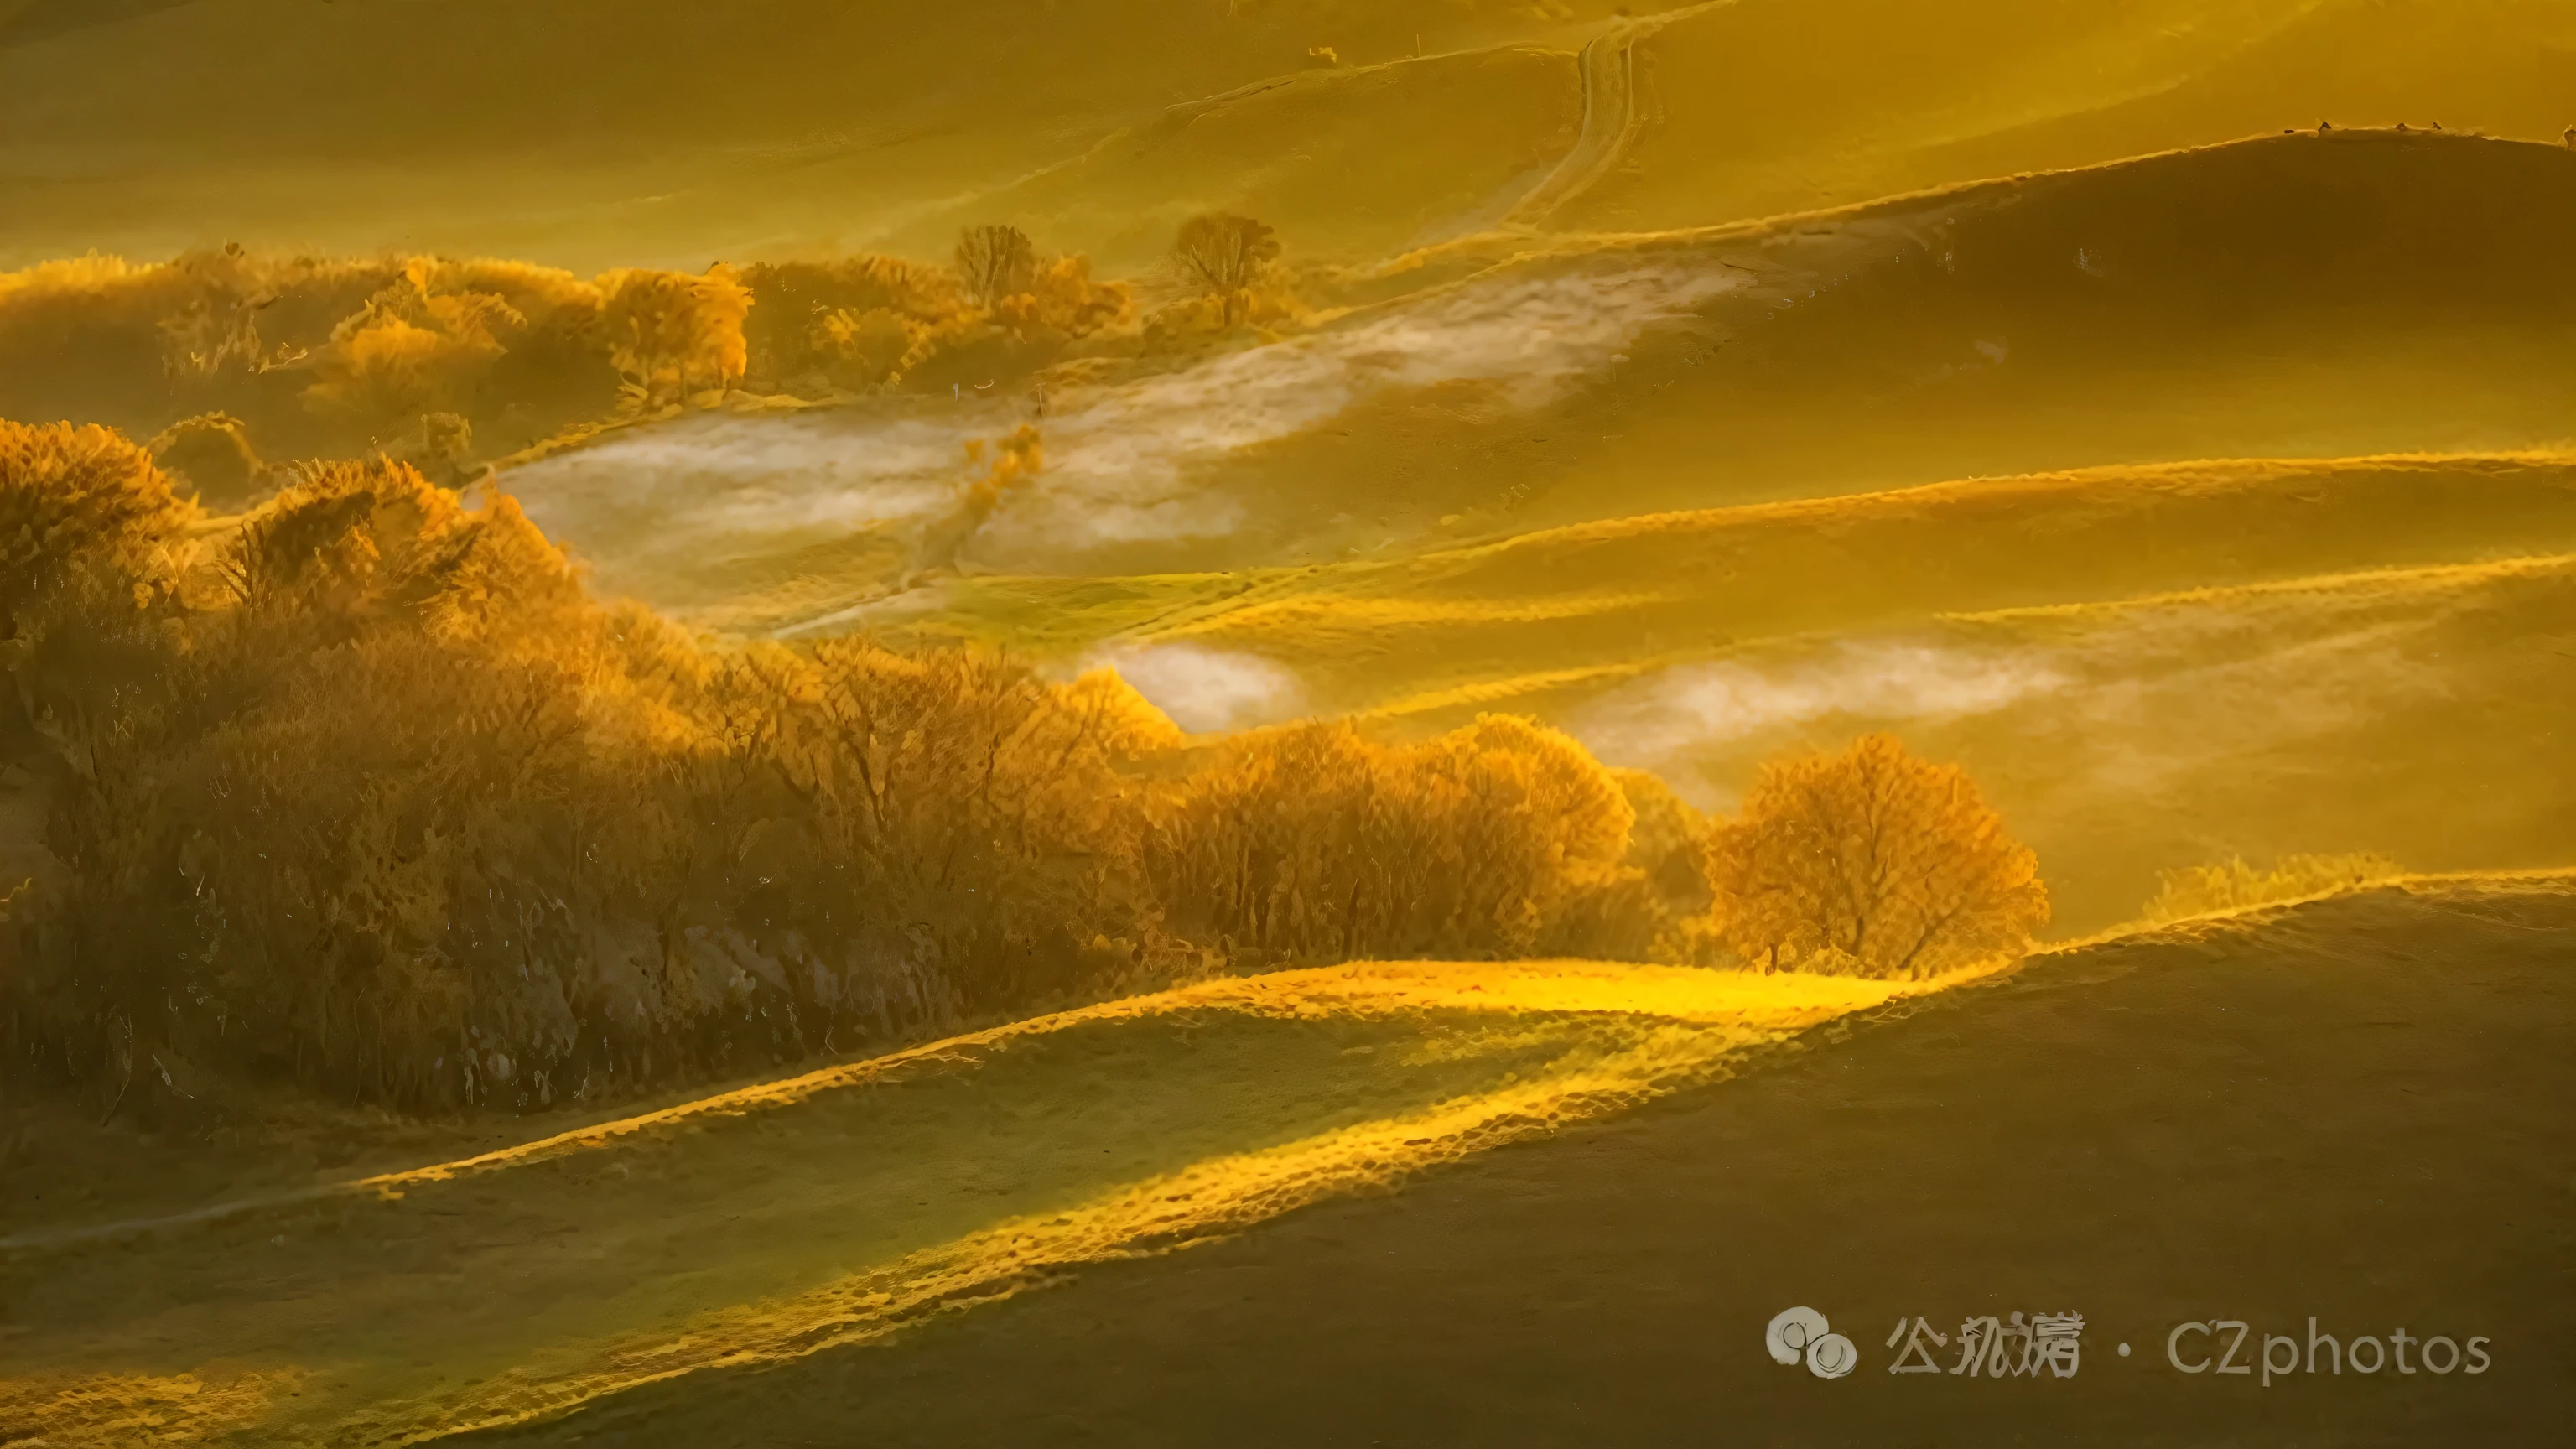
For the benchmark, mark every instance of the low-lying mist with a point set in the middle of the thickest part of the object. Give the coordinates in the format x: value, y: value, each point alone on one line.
x: 1141, y: 459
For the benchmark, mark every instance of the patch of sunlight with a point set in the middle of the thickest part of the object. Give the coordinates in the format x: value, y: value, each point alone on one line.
x: 1298, y: 616
x: 1681, y: 1033
x: 835, y: 1205
x: 2393, y: 584
x: 1779, y: 1001
x: 117, y: 1411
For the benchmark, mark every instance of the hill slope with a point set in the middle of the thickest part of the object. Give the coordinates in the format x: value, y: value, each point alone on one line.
x: 2259, y: 1122
x: 592, y: 134
x: 1770, y: 106
x: 522, y: 1281
x: 2291, y: 297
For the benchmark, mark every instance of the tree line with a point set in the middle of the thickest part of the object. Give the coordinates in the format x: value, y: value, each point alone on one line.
x: 370, y: 795
x: 225, y: 358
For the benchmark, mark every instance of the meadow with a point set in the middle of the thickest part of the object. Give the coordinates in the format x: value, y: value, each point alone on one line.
x: 780, y: 673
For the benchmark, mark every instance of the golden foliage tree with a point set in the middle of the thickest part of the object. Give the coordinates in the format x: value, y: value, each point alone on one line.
x: 368, y: 794
x: 413, y: 349
x: 995, y: 262
x: 857, y: 323
x: 1225, y: 256
x: 1314, y: 841
x: 671, y: 333
x: 1063, y: 299
x: 1872, y: 860
x: 213, y: 452
x: 76, y: 501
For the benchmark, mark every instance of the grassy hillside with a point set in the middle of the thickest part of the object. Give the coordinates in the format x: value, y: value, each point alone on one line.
x: 1684, y: 494
x: 1483, y: 126
x: 592, y: 134
x: 2148, y: 668
x: 1660, y: 585
x: 2257, y: 1120
x: 2291, y: 297
x: 1774, y: 106
x: 2296, y: 296
x: 832, y: 1207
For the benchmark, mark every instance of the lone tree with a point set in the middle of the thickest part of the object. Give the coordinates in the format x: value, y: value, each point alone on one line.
x: 995, y: 262
x: 1874, y: 855
x: 1225, y: 255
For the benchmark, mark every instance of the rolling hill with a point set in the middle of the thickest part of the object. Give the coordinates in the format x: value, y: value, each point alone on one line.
x: 2300, y: 403
x: 2039, y: 382
x: 2282, y: 690
x: 521, y: 1281
x: 2258, y: 1120
x: 1772, y: 106
x: 593, y: 134
x: 2291, y: 297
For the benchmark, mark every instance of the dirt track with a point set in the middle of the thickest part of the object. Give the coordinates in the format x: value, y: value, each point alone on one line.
x: 2358, y: 1111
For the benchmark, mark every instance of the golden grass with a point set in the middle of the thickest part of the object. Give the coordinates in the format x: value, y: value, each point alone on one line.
x: 118, y: 1411
x: 1778, y: 1002
x: 2395, y: 584
x: 1585, y: 605
x: 1700, y: 1018
x: 1580, y: 1039
x: 2432, y: 883
x: 1619, y: 1035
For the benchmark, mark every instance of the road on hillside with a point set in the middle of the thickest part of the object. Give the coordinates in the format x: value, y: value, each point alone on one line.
x: 2357, y: 1111
x: 1612, y: 118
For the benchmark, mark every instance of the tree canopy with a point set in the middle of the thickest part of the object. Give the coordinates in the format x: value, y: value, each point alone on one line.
x: 1874, y: 860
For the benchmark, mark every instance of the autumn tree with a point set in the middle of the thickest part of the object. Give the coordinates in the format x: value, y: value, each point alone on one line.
x: 1224, y: 255
x: 672, y: 333
x: 995, y: 262
x: 211, y: 451
x: 1874, y: 857
x: 75, y: 501
x: 1063, y: 299
x: 1315, y: 841
x: 415, y: 347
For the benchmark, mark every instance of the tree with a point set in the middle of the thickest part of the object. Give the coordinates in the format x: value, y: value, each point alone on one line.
x: 1873, y: 855
x: 412, y: 349
x: 1225, y: 255
x: 213, y: 452
x: 672, y: 333
x: 77, y: 501
x: 995, y: 262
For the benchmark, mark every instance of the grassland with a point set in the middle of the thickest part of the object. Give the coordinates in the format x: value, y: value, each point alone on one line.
x: 1984, y: 465
x: 779, y: 1219
x: 1700, y: 380
x: 2259, y: 1119
x: 604, y: 134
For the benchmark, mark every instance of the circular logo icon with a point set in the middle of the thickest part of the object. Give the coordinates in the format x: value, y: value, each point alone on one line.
x: 1791, y: 1330
x: 1831, y: 1356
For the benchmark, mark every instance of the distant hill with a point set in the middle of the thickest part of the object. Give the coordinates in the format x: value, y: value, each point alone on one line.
x: 591, y: 133
x: 2407, y: 710
x: 2291, y: 297
x: 1770, y: 106
x: 594, y: 133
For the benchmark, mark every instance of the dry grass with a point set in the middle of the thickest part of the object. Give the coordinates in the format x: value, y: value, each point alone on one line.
x: 1447, y: 1059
